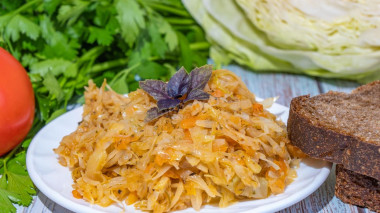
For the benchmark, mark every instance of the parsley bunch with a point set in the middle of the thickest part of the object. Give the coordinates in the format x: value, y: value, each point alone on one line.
x: 64, y: 43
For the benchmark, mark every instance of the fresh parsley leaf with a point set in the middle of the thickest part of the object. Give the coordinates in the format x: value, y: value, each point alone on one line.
x: 102, y: 14
x: 4, y: 20
x: 15, y: 184
x: 51, y: 83
x: 44, y: 106
x: 113, y: 25
x: 120, y: 85
x: 70, y: 13
x: 133, y: 85
x: 101, y: 36
x: 165, y: 28
x: 131, y: 19
x: 25, y: 144
x: 76, y: 31
x: 67, y: 50
x: 47, y: 29
x: 8, y: 5
x: 151, y: 70
x: 50, y: 6
x: 28, y: 59
x: 5, y: 201
x: 56, y: 41
x: 140, y: 54
x: 159, y: 46
x: 3, y: 180
x: 71, y: 71
x: 19, y: 24
x: 17, y: 164
x: 186, y: 57
x: 22, y: 186
x: 28, y: 45
x: 54, y: 66
x: 56, y: 114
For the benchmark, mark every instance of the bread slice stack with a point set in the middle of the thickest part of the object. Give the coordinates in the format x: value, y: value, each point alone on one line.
x: 344, y: 129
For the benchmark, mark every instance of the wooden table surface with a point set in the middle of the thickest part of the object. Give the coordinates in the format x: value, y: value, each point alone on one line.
x: 265, y: 85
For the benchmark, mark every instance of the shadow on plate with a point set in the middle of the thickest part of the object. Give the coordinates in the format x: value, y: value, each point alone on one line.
x: 317, y: 201
x: 51, y: 205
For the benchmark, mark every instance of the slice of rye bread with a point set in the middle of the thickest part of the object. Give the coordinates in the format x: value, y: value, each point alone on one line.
x: 357, y: 189
x: 339, y: 127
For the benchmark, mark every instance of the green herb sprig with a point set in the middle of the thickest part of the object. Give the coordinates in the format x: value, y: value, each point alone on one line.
x: 15, y: 184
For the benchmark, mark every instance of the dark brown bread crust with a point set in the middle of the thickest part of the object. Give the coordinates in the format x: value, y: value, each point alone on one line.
x: 366, y: 87
x: 357, y: 189
x: 339, y: 147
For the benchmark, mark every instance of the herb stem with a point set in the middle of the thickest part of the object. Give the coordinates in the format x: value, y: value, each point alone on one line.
x: 168, y: 9
x: 9, y: 155
x: 115, y: 63
x: 91, y: 54
x: 184, y: 27
x: 124, y: 72
x: 25, y: 6
x: 153, y: 58
x: 199, y: 45
x: 109, y: 65
x: 180, y: 21
x: 10, y: 46
x: 5, y: 166
x: 128, y: 70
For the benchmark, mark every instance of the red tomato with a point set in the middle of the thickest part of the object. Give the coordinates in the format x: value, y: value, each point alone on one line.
x: 16, y: 102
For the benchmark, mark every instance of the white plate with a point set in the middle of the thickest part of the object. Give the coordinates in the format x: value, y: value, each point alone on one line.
x: 55, y: 181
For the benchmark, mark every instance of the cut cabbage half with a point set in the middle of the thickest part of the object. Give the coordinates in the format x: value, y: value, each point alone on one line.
x: 248, y: 41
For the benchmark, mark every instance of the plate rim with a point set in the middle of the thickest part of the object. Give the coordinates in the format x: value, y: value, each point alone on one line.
x: 76, y: 207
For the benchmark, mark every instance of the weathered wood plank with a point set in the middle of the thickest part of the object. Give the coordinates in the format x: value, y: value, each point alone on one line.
x: 286, y: 86
x: 336, y: 85
x: 43, y: 204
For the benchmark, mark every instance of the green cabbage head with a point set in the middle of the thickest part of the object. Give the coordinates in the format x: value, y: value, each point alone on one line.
x: 327, y: 38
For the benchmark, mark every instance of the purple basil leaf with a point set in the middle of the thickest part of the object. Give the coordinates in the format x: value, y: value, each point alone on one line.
x: 197, y: 94
x: 200, y: 76
x: 154, y: 113
x: 155, y: 88
x: 179, y: 84
x: 167, y: 103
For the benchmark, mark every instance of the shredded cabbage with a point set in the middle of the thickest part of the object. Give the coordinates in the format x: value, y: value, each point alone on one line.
x: 221, y: 150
